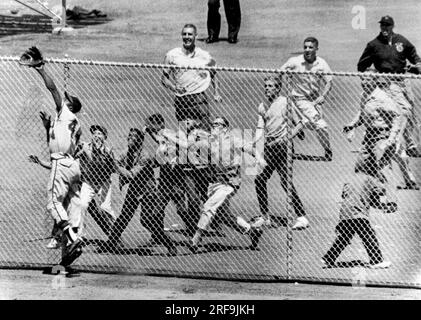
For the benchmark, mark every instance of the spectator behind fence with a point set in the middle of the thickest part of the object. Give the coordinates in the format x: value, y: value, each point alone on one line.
x: 385, y: 124
x: 272, y: 127
x: 362, y: 191
x: 389, y: 52
x: 226, y: 151
x: 233, y: 14
x: 190, y: 86
x: 96, y: 166
x: 309, y: 91
x: 136, y: 168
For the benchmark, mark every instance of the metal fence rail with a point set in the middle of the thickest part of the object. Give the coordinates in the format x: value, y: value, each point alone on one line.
x: 120, y: 96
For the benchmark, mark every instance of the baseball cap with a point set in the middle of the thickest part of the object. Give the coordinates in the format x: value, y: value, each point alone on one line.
x: 96, y: 127
x: 387, y: 20
x: 74, y: 101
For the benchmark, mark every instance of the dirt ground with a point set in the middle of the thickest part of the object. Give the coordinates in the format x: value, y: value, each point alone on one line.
x: 33, y: 285
x: 272, y: 31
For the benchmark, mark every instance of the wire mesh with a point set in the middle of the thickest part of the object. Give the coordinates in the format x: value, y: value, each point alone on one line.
x: 143, y: 220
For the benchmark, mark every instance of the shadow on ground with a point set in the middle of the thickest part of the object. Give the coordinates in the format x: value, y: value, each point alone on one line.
x: 28, y: 23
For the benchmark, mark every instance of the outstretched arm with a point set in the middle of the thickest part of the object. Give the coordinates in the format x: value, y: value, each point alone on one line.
x: 42, y: 163
x: 51, y: 86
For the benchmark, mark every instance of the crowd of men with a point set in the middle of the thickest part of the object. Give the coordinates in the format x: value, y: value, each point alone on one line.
x: 200, y: 163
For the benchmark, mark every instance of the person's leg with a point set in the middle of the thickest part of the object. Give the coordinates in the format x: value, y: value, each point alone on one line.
x: 315, y: 122
x: 281, y: 168
x: 62, y: 176
x: 233, y: 14
x: 213, y: 20
x: 218, y: 194
x: 344, y: 233
x: 369, y: 239
x: 193, y: 183
x: 261, y: 180
x: 130, y: 205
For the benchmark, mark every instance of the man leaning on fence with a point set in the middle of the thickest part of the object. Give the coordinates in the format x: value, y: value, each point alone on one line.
x: 189, y: 85
x: 389, y: 52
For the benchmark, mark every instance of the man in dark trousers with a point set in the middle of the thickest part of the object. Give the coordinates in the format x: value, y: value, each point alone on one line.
x: 233, y: 14
x: 389, y: 53
x: 136, y: 169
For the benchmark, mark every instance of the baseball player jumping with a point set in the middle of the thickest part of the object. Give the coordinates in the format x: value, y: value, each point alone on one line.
x: 64, y: 135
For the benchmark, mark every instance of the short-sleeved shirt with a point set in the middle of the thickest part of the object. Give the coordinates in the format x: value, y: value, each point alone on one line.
x: 64, y: 132
x: 275, y: 118
x: 307, y: 86
x: 380, y: 110
x: 198, y: 157
x: 96, y: 165
x: 357, y: 195
x: 193, y: 81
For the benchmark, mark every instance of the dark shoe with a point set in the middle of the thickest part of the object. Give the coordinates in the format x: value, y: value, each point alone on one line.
x: 192, y: 247
x: 172, y: 251
x: 211, y: 40
x: 328, y: 155
x: 413, y: 153
x: 327, y: 263
x: 73, y: 252
x: 409, y: 186
x: 72, y: 273
x: 255, y: 234
x: 232, y: 40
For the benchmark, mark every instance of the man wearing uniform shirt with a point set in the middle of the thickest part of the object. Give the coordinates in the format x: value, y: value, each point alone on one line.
x: 226, y: 151
x: 389, y: 53
x: 189, y: 86
x: 272, y: 127
x: 136, y: 168
x: 96, y: 166
x: 385, y: 125
x: 309, y: 91
x: 64, y: 134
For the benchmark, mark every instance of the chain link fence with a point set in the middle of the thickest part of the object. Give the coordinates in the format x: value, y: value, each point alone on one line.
x: 125, y: 232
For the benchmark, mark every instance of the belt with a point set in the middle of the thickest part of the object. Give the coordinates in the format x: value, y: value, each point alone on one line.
x: 59, y: 156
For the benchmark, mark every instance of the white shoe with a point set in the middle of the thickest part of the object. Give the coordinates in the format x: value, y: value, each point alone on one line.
x: 381, y: 265
x: 261, y: 222
x: 53, y: 244
x: 300, y: 224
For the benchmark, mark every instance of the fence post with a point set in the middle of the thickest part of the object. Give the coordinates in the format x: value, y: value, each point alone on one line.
x: 66, y: 72
x: 289, y: 174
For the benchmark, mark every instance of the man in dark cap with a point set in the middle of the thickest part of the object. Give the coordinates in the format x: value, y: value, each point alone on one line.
x: 389, y: 52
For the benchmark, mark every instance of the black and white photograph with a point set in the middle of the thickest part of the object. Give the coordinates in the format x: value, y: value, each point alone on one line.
x: 226, y: 152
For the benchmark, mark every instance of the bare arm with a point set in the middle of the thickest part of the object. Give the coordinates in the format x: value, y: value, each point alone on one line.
x: 42, y: 163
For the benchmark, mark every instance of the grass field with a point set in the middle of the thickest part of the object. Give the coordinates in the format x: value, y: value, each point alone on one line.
x: 121, y: 97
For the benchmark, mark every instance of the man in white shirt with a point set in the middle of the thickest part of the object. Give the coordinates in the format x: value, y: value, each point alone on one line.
x: 273, y: 128
x: 190, y: 85
x: 309, y: 91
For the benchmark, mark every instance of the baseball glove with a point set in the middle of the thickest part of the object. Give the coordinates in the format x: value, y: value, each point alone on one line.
x: 32, y: 58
